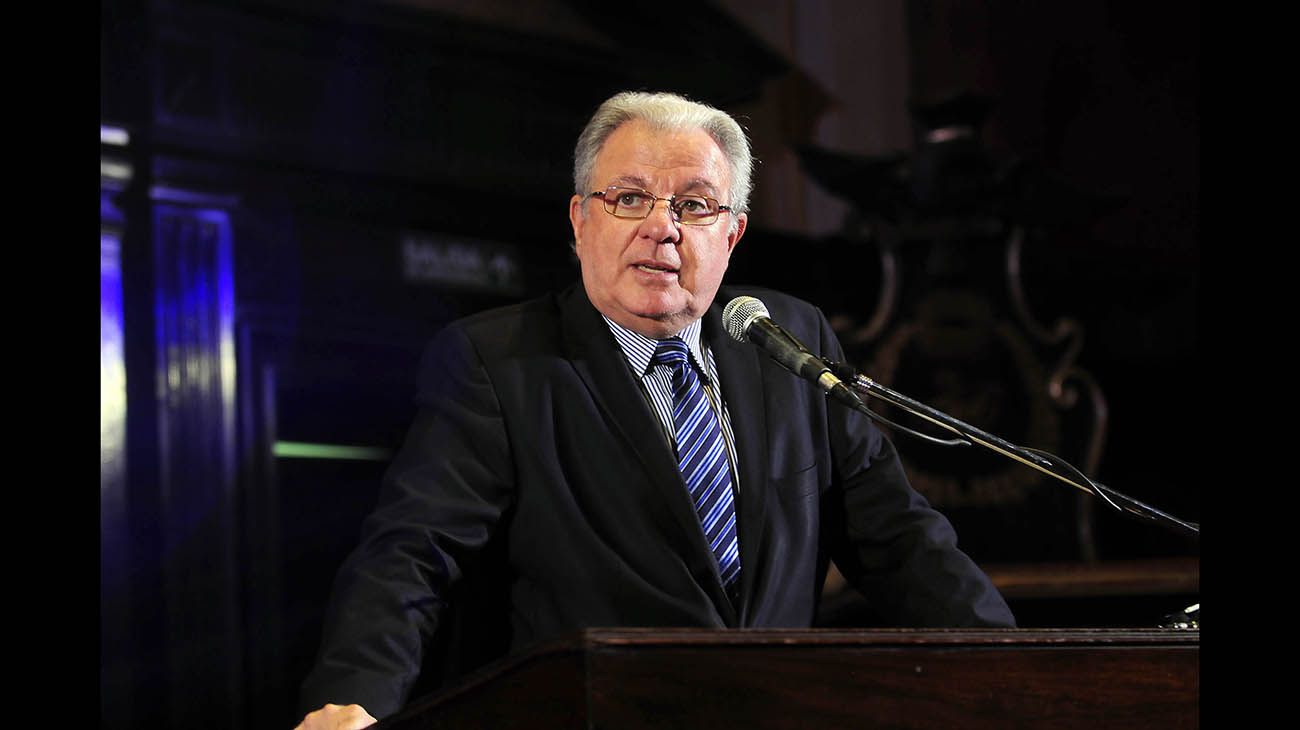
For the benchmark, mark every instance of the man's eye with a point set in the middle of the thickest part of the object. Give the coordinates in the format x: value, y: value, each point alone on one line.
x: 692, y: 205
x: 631, y: 200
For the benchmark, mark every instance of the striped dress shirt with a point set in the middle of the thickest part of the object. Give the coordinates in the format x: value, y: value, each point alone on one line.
x: 656, y: 381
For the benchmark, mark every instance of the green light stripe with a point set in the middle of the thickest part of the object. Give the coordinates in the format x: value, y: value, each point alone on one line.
x: 302, y: 450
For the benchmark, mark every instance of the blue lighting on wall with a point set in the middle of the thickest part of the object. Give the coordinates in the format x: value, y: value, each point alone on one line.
x: 194, y: 320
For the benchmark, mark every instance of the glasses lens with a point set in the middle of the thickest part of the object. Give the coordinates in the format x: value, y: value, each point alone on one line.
x: 628, y: 202
x: 695, y: 210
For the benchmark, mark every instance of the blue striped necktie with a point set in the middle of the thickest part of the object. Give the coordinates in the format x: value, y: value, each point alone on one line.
x: 702, y: 456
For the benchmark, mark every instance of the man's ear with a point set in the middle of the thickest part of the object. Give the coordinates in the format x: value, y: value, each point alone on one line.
x: 733, y: 237
x: 577, y: 218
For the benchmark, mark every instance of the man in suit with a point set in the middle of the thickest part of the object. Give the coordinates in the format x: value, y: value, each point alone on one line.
x: 632, y: 464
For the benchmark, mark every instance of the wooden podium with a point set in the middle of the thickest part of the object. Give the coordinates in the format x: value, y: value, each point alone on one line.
x: 819, y: 678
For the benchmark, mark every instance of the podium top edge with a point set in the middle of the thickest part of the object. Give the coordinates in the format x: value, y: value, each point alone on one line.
x: 595, y: 638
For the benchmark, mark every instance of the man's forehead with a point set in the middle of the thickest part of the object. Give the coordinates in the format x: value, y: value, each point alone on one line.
x: 635, y: 152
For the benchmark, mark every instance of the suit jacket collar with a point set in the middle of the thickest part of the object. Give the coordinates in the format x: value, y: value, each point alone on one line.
x: 742, y: 387
x: 598, y: 361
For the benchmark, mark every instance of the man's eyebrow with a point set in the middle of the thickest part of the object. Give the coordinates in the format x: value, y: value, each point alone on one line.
x: 694, y: 185
x: 700, y: 183
x: 633, y: 180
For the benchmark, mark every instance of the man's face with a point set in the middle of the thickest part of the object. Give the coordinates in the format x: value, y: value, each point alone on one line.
x: 654, y: 275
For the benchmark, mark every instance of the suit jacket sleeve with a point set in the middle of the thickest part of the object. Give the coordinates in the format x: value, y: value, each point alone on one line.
x: 440, y: 501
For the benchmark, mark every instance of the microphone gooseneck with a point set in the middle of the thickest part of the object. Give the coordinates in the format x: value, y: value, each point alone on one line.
x: 747, y: 320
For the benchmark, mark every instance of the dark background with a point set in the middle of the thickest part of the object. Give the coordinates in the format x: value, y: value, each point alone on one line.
x: 315, y: 188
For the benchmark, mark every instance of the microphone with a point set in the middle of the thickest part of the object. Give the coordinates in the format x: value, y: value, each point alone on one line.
x: 747, y: 320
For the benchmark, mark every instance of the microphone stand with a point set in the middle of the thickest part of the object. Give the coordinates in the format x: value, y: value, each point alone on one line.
x: 1041, y: 460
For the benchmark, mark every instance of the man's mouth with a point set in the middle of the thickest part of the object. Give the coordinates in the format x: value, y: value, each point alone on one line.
x: 656, y: 268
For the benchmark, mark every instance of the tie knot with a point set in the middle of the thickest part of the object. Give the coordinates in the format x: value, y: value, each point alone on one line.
x: 671, y: 351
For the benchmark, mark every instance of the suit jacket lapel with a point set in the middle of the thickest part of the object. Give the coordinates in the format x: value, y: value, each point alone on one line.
x: 599, y: 362
x: 742, y: 387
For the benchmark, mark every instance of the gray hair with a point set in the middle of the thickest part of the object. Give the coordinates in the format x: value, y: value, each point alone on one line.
x: 666, y: 111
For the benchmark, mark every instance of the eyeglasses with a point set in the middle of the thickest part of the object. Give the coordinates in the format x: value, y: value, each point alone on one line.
x: 690, y: 210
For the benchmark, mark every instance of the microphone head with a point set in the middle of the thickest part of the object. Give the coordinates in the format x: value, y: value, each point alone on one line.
x: 740, y: 313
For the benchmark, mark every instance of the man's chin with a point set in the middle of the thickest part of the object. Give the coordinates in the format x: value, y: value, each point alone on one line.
x: 659, y: 309
x: 655, y: 316
x: 659, y: 323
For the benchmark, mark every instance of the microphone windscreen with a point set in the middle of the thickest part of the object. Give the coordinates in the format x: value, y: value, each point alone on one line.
x: 740, y: 313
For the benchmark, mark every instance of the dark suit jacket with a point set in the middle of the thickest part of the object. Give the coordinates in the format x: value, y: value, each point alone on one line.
x: 533, y: 436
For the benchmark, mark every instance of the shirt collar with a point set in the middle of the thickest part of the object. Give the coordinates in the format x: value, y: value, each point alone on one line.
x: 639, y: 349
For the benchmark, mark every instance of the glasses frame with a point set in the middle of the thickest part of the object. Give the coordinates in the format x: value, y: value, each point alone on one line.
x: 654, y: 199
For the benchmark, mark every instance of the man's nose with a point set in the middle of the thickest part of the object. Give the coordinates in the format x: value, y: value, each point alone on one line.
x: 661, y: 224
